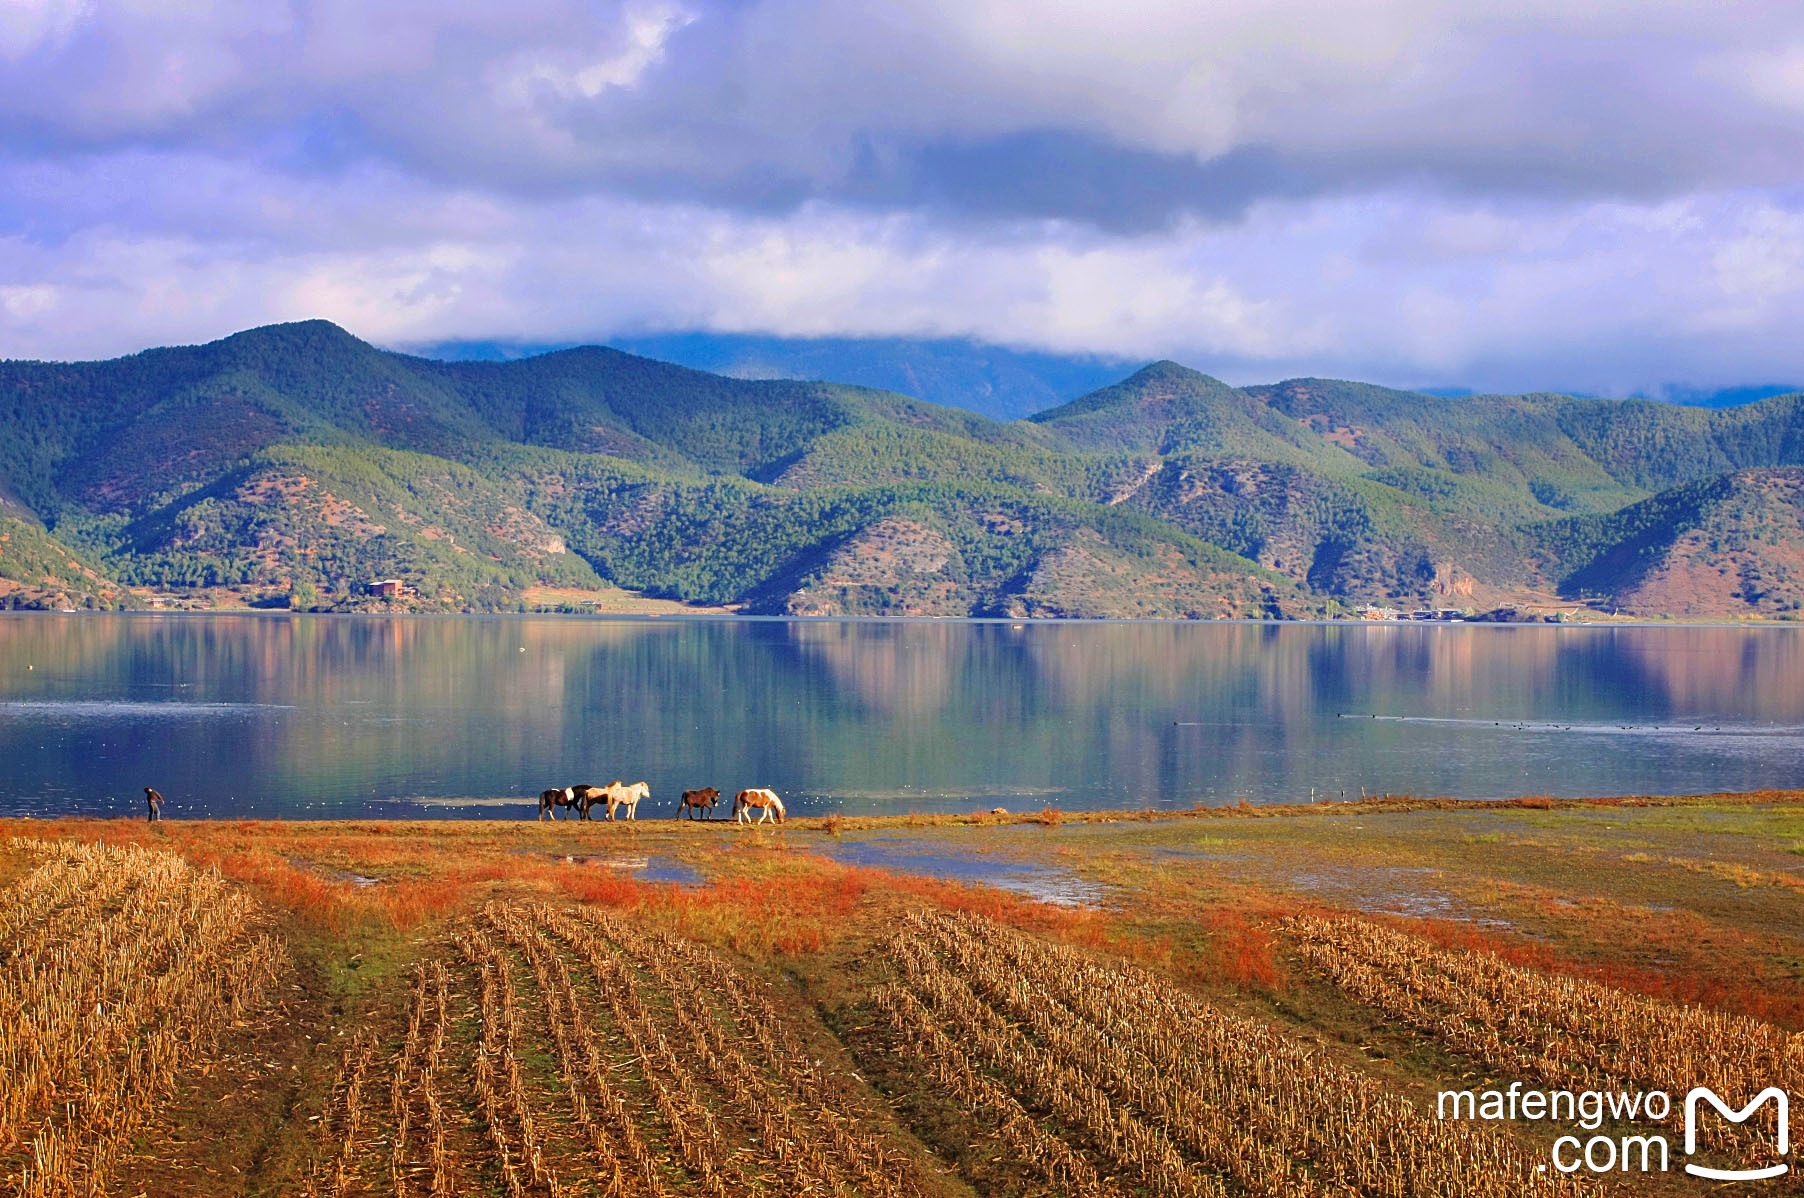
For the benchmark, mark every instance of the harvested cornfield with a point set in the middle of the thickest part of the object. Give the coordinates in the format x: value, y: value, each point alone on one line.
x: 1569, y: 1033
x: 118, y: 968
x: 468, y: 1009
x: 1106, y: 1080
x: 553, y: 1052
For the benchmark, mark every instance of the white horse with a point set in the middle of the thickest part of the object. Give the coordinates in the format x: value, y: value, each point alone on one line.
x: 766, y: 800
x: 621, y: 795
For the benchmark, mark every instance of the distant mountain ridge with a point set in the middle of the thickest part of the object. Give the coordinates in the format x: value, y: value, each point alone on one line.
x: 997, y: 381
x: 991, y: 380
x: 294, y: 464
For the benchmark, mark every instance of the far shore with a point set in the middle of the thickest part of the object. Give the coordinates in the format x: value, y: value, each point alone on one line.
x: 670, y: 611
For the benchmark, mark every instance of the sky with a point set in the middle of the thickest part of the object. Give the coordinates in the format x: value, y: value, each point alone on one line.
x: 1605, y: 197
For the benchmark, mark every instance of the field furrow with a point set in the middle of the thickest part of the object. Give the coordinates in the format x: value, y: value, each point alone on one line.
x: 1569, y: 1033
x: 595, y: 1060
x: 1171, y: 1095
x: 102, y: 1006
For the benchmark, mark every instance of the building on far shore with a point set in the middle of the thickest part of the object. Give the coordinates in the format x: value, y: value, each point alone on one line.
x: 392, y: 588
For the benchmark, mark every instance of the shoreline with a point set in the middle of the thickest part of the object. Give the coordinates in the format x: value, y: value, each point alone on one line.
x: 718, y: 617
x: 1050, y: 817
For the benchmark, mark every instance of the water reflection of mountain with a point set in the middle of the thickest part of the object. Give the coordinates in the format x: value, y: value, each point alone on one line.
x: 877, y: 716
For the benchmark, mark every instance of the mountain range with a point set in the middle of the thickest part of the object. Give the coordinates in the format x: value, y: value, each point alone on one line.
x: 992, y: 380
x: 294, y: 465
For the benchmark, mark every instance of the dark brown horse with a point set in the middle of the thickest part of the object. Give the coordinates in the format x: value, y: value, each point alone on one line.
x: 698, y: 800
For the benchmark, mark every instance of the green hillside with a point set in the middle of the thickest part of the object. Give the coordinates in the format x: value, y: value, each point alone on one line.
x: 37, y: 571
x: 1734, y: 543
x: 295, y: 464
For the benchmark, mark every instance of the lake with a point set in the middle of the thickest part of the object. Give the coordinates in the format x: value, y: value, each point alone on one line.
x: 325, y: 716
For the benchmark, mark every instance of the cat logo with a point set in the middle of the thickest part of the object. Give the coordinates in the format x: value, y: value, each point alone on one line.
x: 1741, y: 1116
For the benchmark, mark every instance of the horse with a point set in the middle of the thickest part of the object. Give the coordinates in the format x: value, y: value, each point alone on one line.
x: 698, y: 800
x: 586, y: 796
x: 766, y: 800
x: 551, y: 800
x: 621, y: 795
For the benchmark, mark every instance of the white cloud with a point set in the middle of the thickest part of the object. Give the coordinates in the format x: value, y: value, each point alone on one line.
x: 1759, y: 269
x: 1610, y: 296
x: 1647, y: 95
x: 1774, y: 76
x: 1600, y: 194
x: 27, y: 26
x: 28, y: 302
x: 640, y: 45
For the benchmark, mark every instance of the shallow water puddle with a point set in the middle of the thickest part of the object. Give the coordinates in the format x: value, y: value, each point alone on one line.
x: 1382, y: 890
x: 334, y: 875
x: 1043, y: 883
x: 650, y: 867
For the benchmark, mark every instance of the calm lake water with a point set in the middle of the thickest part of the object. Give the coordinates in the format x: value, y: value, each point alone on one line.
x: 463, y: 717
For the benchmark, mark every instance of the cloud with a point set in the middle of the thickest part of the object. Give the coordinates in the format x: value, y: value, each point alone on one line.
x: 983, y: 107
x: 1398, y: 286
x: 1602, y: 195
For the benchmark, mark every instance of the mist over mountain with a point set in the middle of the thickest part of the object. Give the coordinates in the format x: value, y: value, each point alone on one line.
x: 294, y: 465
x: 994, y: 380
x: 1001, y: 383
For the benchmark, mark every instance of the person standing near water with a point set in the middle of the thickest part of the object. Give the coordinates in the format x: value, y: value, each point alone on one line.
x: 155, y: 802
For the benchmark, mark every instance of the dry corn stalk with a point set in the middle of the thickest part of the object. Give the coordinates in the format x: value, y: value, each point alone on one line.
x: 1570, y: 1033
x: 118, y: 967
x: 1095, y: 1043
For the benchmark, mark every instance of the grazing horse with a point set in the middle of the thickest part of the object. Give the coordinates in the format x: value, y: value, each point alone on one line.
x: 551, y: 800
x: 766, y: 800
x: 698, y: 800
x: 621, y: 795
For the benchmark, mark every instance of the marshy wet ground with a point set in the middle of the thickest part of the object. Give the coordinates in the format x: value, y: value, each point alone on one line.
x: 1005, y: 871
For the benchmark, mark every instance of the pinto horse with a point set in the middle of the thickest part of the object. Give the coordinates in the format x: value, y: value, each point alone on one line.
x: 619, y: 794
x: 766, y: 800
x: 586, y: 797
x: 551, y: 800
x: 698, y: 800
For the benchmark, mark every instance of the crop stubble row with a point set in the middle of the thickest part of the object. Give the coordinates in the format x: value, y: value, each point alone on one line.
x: 1081, y: 1065
x: 1568, y: 1033
x: 119, y: 966
x: 661, y: 1070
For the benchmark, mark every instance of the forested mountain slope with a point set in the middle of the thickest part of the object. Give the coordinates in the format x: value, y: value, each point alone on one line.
x: 296, y: 464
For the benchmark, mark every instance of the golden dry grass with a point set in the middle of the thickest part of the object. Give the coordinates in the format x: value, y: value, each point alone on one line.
x: 507, y: 1008
x: 118, y: 969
